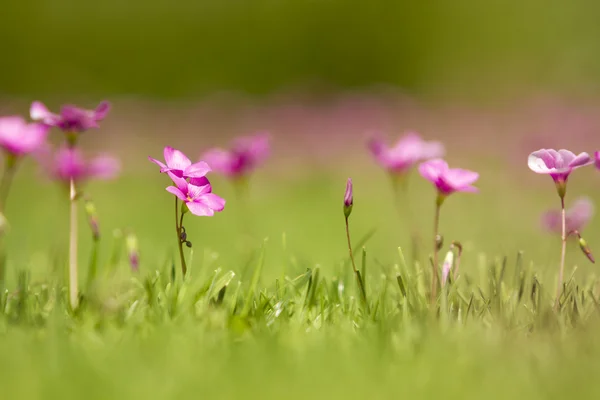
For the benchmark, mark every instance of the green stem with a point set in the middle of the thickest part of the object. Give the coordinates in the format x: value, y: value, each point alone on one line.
x: 73, y: 290
x: 434, y: 271
x: 359, y: 280
x: 563, y: 251
x: 178, y: 226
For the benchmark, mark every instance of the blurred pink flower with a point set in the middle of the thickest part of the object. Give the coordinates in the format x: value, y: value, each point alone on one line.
x: 199, y: 199
x: 179, y: 165
x: 597, y: 159
x: 577, y: 216
x: 245, y: 155
x: 448, y: 180
x: 69, y: 163
x: 408, y: 150
x: 558, y: 164
x: 71, y: 118
x: 17, y: 137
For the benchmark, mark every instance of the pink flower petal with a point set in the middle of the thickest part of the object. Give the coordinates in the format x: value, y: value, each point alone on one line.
x: 433, y: 169
x: 39, y: 112
x: 200, y: 209
x: 460, y: 177
x: 212, y: 201
x: 162, y: 166
x: 197, y: 170
x: 104, y: 167
x: 175, y: 159
x: 181, y: 183
x: 176, y: 192
x: 102, y: 110
x: 581, y: 160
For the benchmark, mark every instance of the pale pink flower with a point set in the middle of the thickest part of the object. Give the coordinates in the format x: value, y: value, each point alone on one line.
x: 69, y: 163
x: 576, y: 217
x: 18, y: 138
x: 245, y: 155
x: 405, y: 153
x: 558, y: 164
x: 71, y: 118
x: 448, y: 180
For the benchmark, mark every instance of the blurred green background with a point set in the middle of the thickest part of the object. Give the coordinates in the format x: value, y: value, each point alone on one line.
x: 166, y: 49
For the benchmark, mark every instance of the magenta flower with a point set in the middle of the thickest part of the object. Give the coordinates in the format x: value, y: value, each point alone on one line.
x: 17, y: 137
x: 558, y: 164
x: 71, y: 118
x: 448, y: 180
x: 179, y: 165
x: 246, y: 154
x: 199, y: 199
x: 576, y: 217
x: 69, y: 163
x: 597, y: 159
x: 408, y: 150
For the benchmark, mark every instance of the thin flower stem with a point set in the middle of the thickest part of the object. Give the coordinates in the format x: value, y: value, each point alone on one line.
x: 434, y: 270
x: 6, y: 183
x: 73, y: 289
x: 178, y: 226
x: 359, y: 280
x: 563, y: 251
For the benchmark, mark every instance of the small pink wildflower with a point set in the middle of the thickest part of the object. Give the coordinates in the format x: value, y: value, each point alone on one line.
x: 71, y: 118
x: 558, y: 164
x: 245, y: 155
x: 69, y: 163
x: 577, y: 217
x: 597, y: 159
x: 405, y: 153
x: 348, y: 198
x: 18, y: 138
x: 180, y: 165
x: 448, y: 180
x: 199, y: 199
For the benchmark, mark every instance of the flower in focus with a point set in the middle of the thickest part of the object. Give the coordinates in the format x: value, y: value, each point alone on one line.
x: 576, y: 217
x: 405, y: 153
x: 199, y: 199
x: 448, y: 180
x: 348, y: 198
x: 71, y: 118
x: 179, y: 165
x: 246, y: 154
x: 18, y: 138
x: 558, y: 164
x: 69, y: 163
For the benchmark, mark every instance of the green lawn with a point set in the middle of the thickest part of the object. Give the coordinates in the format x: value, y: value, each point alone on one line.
x: 290, y: 322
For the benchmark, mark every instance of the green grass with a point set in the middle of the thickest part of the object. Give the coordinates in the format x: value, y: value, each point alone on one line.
x: 270, y: 308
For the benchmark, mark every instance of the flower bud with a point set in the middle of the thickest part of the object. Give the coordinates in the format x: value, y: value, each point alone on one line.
x: 447, y: 266
x: 439, y: 241
x: 348, y: 198
x: 133, y: 251
x: 586, y: 250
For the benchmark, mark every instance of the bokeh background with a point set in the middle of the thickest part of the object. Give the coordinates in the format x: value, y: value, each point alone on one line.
x: 493, y: 80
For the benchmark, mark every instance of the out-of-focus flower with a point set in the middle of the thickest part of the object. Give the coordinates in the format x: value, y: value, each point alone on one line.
x: 69, y: 163
x: 447, y: 266
x: 71, y: 118
x: 133, y: 252
x: 179, y: 165
x: 245, y: 155
x: 405, y: 153
x: 576, y: 217
x: 199, y: 199
x: 18, y: 138
x: 448, y: 180
x: 348, y: 198
x: 597, y: 159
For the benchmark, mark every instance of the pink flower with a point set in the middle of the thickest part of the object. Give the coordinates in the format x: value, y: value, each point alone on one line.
x: 348, y: 198
x: 199, y: 199
x: 577, y: 216
x: 558, y: 164
x: 17, y: 137
x: 448, y: 180
x: 245, y: 155
x: 179, y: 165
x: 71, y: 118
x: 69, y: 163
x: 408, y: 150
x: 597, y: 159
